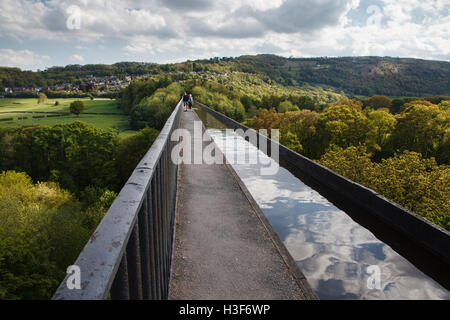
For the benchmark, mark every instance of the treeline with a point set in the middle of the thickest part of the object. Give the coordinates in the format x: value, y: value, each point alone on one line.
x: 62, y: 94
x: 420, y: 131
x: 365, y: 76
x: 75, y: 155
x: 56, y: 183
x: 15, y: 77
x: 284, y: 103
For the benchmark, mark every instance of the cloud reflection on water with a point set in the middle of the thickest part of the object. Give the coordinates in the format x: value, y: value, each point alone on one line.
x: 331, y: 249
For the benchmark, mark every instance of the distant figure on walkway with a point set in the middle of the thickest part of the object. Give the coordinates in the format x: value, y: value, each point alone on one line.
x: 190, y: 101
x: 185, y: 101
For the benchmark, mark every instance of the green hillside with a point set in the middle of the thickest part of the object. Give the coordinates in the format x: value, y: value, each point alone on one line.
x: 359, y: 76
x: 355, y: 75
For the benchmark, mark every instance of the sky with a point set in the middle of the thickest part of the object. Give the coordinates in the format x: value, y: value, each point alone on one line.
x: 39, y: 34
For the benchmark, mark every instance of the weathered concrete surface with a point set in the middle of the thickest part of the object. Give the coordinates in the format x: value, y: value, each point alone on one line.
x: 222, y: 250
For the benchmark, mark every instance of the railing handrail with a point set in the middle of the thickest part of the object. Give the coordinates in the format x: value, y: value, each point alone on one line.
x: 100, y: 259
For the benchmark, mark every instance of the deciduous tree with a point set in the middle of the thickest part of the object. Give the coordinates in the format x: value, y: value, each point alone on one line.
x: 77, y: 107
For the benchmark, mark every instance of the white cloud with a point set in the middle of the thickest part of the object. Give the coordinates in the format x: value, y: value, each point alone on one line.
x: 157, y: 30
x: 26, y: 59
x: 76, y: 58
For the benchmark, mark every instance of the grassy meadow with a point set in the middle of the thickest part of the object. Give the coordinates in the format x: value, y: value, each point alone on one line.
x: 23, y: 112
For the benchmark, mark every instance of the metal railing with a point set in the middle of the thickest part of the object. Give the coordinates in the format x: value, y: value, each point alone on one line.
x: 129, y: 255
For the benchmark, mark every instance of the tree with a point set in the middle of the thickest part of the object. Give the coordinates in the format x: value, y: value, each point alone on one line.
x: 239, y: 111
x: 377, y: 102
x: 77, y: 107
x: 266, y: 119
x: 397, y: 105
x: 155, y: 110
x: 303, y: 124
x: 270, y: 101
x: 416, y: 183
x: 421, y: 129
x: 353, y: 163
x: 304, y: 102
x: 41, y: 232
x: 291, y: 141
x: 343, y: 126
x: 285, y: 106
x: 42, y: 98
x: 247, y: 101
x: 352, y: 103
x: 414, y: 102
x: 75, y: 155
x: 382, y: 124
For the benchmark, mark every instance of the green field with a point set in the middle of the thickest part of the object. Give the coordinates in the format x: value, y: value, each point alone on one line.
x: 23, y: 112
x: 97, y: 105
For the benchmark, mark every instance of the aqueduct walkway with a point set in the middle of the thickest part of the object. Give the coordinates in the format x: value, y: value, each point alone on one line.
x: 223, y: 250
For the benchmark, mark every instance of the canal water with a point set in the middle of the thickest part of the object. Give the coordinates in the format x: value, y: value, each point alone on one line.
x: 340, y: 258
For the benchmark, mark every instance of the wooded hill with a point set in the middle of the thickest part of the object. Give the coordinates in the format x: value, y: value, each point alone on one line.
x: 364, y: 76
x: 355, y: 75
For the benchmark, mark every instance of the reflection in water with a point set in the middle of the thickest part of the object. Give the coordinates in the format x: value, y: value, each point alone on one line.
x: 331, y: 249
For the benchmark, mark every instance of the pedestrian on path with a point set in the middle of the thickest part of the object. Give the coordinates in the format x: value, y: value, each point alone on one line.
x: 190, y: 101
x: 185, y: 101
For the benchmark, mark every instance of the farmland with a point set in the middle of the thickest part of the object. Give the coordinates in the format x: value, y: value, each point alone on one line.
x: 102, y: 113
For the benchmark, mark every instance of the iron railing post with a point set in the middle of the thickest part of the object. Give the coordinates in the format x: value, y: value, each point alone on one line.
x: 144, y: 243
x: 120, y: 289
x: 134, y: 265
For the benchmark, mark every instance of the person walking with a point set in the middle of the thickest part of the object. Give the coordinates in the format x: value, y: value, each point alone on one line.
x: 185, y: 101
x: 190, y: 101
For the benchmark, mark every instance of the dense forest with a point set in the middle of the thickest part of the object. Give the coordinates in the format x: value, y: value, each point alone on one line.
x: 364, y: 76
